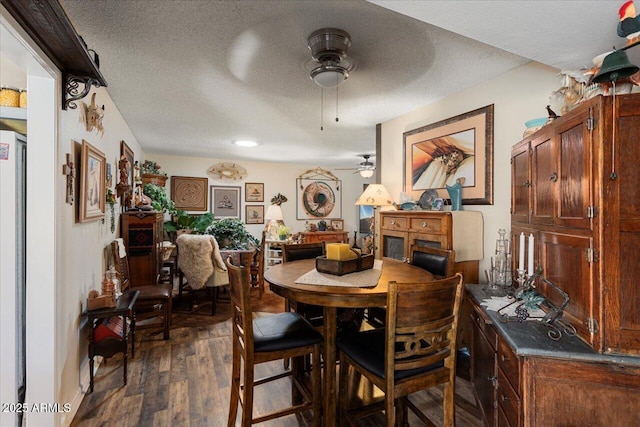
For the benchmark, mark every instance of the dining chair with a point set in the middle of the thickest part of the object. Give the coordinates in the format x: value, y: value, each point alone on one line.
x: 294, y: 252
x: 153, y: 300
x: 264, y: 339
x: 201, y: 264
x: 415, y: 351
x: 439, y: 262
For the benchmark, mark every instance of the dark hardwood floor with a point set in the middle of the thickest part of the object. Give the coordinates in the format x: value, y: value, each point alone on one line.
x: 185, y: 381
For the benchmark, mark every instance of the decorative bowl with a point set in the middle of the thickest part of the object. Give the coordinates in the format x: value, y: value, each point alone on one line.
x: 536, y: 122
x: 408, y: 206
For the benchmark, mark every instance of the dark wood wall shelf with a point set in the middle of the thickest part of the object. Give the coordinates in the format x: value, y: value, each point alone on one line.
x: 49, y: 26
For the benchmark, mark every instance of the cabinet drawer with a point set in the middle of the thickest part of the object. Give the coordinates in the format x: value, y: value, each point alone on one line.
x: 426, y: 225
x: 508, y: 400
x: 485, y: 326
x: 508, y: 362
x: 395, y: 222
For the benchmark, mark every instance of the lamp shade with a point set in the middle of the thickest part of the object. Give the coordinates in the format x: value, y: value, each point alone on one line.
x: 615, y: 66
x: 274, y: 212
x: 375, y: 195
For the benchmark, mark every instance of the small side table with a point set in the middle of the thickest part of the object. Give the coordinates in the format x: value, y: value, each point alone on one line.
x: 111, y: 345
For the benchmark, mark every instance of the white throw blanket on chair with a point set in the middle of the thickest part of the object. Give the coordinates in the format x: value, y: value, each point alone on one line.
x: 200, y: 261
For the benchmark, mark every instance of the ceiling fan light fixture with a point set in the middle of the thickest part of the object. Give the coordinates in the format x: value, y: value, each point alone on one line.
x: 366, y: 173
x: 329, y: 75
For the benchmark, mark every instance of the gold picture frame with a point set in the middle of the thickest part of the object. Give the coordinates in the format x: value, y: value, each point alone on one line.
x: 439, y: 154
x: 128, y: 154
x: 254, y: 214
x: 254, y: 192
x: 92, y: 183
x: 189, y: 193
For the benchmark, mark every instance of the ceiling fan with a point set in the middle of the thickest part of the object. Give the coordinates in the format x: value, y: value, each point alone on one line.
x: 366, y: 168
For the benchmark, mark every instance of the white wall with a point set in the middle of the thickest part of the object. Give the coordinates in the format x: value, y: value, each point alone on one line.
x: 277, y: 178
x: 83, y: 244
x: 518, y: 95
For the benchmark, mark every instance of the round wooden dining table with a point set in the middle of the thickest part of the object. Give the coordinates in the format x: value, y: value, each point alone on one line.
x: 282, y: 280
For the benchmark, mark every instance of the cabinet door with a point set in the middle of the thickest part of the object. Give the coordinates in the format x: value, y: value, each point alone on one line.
x: 394, y: 244
x: 574, y: 147
x: 483, y: 369
x: 565, y: 262
x: 544, y: 174
x: 521, y: 182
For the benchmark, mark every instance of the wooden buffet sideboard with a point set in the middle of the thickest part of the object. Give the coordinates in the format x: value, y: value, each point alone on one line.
x: 521, y: 377
x: 461, y: 231
x: 325, y: 236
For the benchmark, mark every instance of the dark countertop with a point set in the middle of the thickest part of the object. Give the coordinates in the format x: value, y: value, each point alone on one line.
x: 529, y: 338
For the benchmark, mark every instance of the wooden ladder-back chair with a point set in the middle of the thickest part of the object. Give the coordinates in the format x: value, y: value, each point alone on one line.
x: 294, y: 252
x: 439, y: 262
x: 415, y: 351
x: 274, y: 337
x: 151, y: 296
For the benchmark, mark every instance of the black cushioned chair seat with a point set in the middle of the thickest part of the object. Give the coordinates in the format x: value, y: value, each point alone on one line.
x: 283, y: 331
x: 153, y: 292
x: 368, y: 348
x: 436, y: 264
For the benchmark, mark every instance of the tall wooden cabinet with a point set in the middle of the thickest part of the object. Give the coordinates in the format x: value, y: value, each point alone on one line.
x: 576, y: 189
x: 142, y: 233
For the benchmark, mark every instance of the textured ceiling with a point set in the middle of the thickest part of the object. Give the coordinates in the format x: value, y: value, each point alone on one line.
x: 190, y: 76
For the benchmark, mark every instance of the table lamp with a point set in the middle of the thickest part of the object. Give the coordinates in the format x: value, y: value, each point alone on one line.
x: 274, y: 219
x: 374, y: 195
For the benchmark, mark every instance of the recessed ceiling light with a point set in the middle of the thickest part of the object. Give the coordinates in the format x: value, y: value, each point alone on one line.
x: 245, y: 143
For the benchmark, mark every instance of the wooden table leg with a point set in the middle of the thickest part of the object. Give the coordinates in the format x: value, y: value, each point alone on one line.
x: 330, y: 329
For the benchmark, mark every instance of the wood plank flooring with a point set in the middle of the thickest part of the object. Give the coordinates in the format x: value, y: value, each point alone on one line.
x: 184, y: 381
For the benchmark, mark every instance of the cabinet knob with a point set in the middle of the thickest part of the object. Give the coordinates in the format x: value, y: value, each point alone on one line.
x: 393, y: 222
x: 503, y: 358
x: 503, y: 398
x: 424, y: 224
x: 553, y: 177
x: 527, y: 183
x: 493, y: 380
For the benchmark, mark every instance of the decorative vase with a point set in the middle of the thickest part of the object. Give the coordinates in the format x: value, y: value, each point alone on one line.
x: 455, y: 193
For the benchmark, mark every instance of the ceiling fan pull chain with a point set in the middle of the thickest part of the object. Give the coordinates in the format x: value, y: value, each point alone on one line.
x: 321, y: 108
x: 337, y: 83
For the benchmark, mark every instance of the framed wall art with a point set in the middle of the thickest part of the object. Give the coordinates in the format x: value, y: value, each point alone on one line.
x: 92, y: 183
x: 224, y: 201
x: 254, y: 214
x: 189, y: 193
x: 126, y: 153
x: 253, y: 192
x: 337, y: 224
x: 458, y: 148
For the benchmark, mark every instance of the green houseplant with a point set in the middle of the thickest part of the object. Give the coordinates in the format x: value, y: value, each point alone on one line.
x: 232, y: 234
x: 159, y: 199
x: 195, y: 223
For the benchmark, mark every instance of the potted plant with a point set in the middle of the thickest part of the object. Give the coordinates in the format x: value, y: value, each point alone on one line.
x: 185, y: 222
x: 283, y: 232
x: 232, y: 234
x: 159, y: 199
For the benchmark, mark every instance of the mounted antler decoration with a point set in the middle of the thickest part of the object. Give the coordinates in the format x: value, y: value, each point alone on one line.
x: 93, y: 116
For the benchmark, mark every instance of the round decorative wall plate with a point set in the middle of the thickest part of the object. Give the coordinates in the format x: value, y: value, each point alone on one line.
x: 427, y: 198
x: 318, y: 199
x: 227, y: 172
